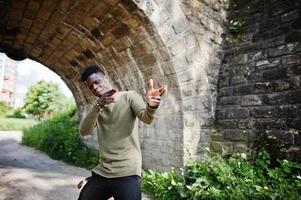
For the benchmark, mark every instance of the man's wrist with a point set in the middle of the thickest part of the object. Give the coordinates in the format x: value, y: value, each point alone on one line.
x: 98, y: 105
x: 152, y: 107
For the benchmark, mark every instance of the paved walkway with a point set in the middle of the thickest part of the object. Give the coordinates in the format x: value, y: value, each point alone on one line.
x: 28, y: 174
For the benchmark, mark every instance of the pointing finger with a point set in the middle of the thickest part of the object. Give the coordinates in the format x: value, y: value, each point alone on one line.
x: 150, y: 84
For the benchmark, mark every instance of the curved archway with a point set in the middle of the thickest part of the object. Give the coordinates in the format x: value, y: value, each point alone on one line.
x: 133, y: 41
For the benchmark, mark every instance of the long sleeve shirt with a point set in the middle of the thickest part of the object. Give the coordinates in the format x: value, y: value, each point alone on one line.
x: 117, y: 131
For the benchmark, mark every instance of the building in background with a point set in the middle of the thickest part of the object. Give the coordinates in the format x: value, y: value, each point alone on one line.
x: 8, y: 77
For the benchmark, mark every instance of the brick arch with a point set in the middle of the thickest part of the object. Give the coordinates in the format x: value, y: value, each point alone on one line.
x: 174, y: 42
x: 66, y: 36
x: 193, y: 31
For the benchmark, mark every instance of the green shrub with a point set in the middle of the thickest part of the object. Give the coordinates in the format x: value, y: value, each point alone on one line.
x: 18, y: 113
x: 59, y: 137
x: 4, y: 108
x: 236, y: 31
x: 231, y: 178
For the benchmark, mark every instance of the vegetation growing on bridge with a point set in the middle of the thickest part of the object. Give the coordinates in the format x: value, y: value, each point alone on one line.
x: 231, y: 178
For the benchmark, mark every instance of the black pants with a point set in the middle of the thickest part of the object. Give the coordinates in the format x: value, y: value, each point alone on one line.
x: 101, y: 188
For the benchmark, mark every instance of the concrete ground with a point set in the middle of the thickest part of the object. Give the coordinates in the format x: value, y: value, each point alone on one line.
x: 28, y: 174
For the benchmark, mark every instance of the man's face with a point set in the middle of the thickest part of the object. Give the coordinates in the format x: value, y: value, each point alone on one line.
x: 98, y: 84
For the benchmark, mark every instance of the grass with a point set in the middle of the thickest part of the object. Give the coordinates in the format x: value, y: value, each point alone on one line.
x: 15, y: 124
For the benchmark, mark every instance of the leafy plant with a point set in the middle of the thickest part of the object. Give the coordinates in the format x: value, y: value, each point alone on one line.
x: 4, y: 108
x: 18, y: 113
x: 228, y: 178
x: 236, y: 30
x: 59, y: 137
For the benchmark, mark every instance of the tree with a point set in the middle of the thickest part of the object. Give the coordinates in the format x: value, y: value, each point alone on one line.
x: 41, y: 98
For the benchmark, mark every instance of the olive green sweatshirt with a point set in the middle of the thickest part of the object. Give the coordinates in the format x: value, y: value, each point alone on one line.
x: 117, y: 131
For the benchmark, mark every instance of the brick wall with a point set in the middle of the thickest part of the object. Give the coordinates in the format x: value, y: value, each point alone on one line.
x: 259, y: 93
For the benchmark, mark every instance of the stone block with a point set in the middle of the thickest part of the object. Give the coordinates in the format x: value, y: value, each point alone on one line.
x: 279, y: 51
x: 228, y: 124
x: 293, y: 36
x: 257, y: 56
x: 250, y: 100
x: 274, y: 99
x: 235, y: 135
x: 120, y: 12
x: 180, y: 25
x: 107, y: 40
x: 240, y: 59
x: 190, y: 41
x: 167, y: 34
x: 265, y: 64
x: 260, y: 88
x: 270, y: 124
x: 266, y: 112
x: 296, y: 69
x: 232, y: 113
x: 168, y: 68
x: 121, y: 44
x: 228, y: 91
x: 294, y: 97
x: 229, y: 100
x: 120, y: 31
x: 289, y: 16
x: 163, y: 54
x: 191, y: 120
x: 201, y: 87
x: 244, y: 89
x: 205, y: 103
x: 235, y: 80
x: 190, y: 105
x: 187, y: 91
x: 111, y: 2
x: 177, y: 48
x: 147, y: 60
x: 294, y: 123
x: 187, y: 76
x: 141, y: 48
x: 206, y: 119
x: 281, y: 85
x: 164, y: 16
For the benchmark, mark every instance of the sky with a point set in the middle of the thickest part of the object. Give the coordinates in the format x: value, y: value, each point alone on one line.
x: 29, y: 73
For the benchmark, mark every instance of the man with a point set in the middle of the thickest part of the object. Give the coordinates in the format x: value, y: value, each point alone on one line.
x: 114, y: 114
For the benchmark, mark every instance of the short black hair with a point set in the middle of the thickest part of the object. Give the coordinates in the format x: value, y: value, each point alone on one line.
x: 91, y: 69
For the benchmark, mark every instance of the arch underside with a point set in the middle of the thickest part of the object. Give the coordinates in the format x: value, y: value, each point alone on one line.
x: 132, y: 46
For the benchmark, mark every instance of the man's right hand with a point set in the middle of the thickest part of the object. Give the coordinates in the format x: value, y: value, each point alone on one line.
x: 106, y: 98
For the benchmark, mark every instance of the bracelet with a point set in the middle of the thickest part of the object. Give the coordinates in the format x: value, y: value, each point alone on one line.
x: 98, y: 105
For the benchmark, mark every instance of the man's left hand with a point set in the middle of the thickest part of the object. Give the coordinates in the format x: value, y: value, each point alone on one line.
x: 153, y: 96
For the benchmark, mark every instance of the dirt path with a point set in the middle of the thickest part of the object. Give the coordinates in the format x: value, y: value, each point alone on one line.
x: 28, y: 174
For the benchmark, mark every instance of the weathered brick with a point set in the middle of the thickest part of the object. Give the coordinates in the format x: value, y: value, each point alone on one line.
x: 270, y: 124
x: 187, y: 76
x: 294, y: 97
x: 232, y: 113
x: 266, y: 112
x: 244, y: 89
x: 228, y: 124
x: 274, y: 99
x: 180, y: 25
x: 229, y: 100
x: 235, y: 80
x: 235, y: 135
x: 250, y: 100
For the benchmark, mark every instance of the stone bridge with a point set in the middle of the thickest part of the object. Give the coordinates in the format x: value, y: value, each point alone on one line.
x: 224, y: 94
